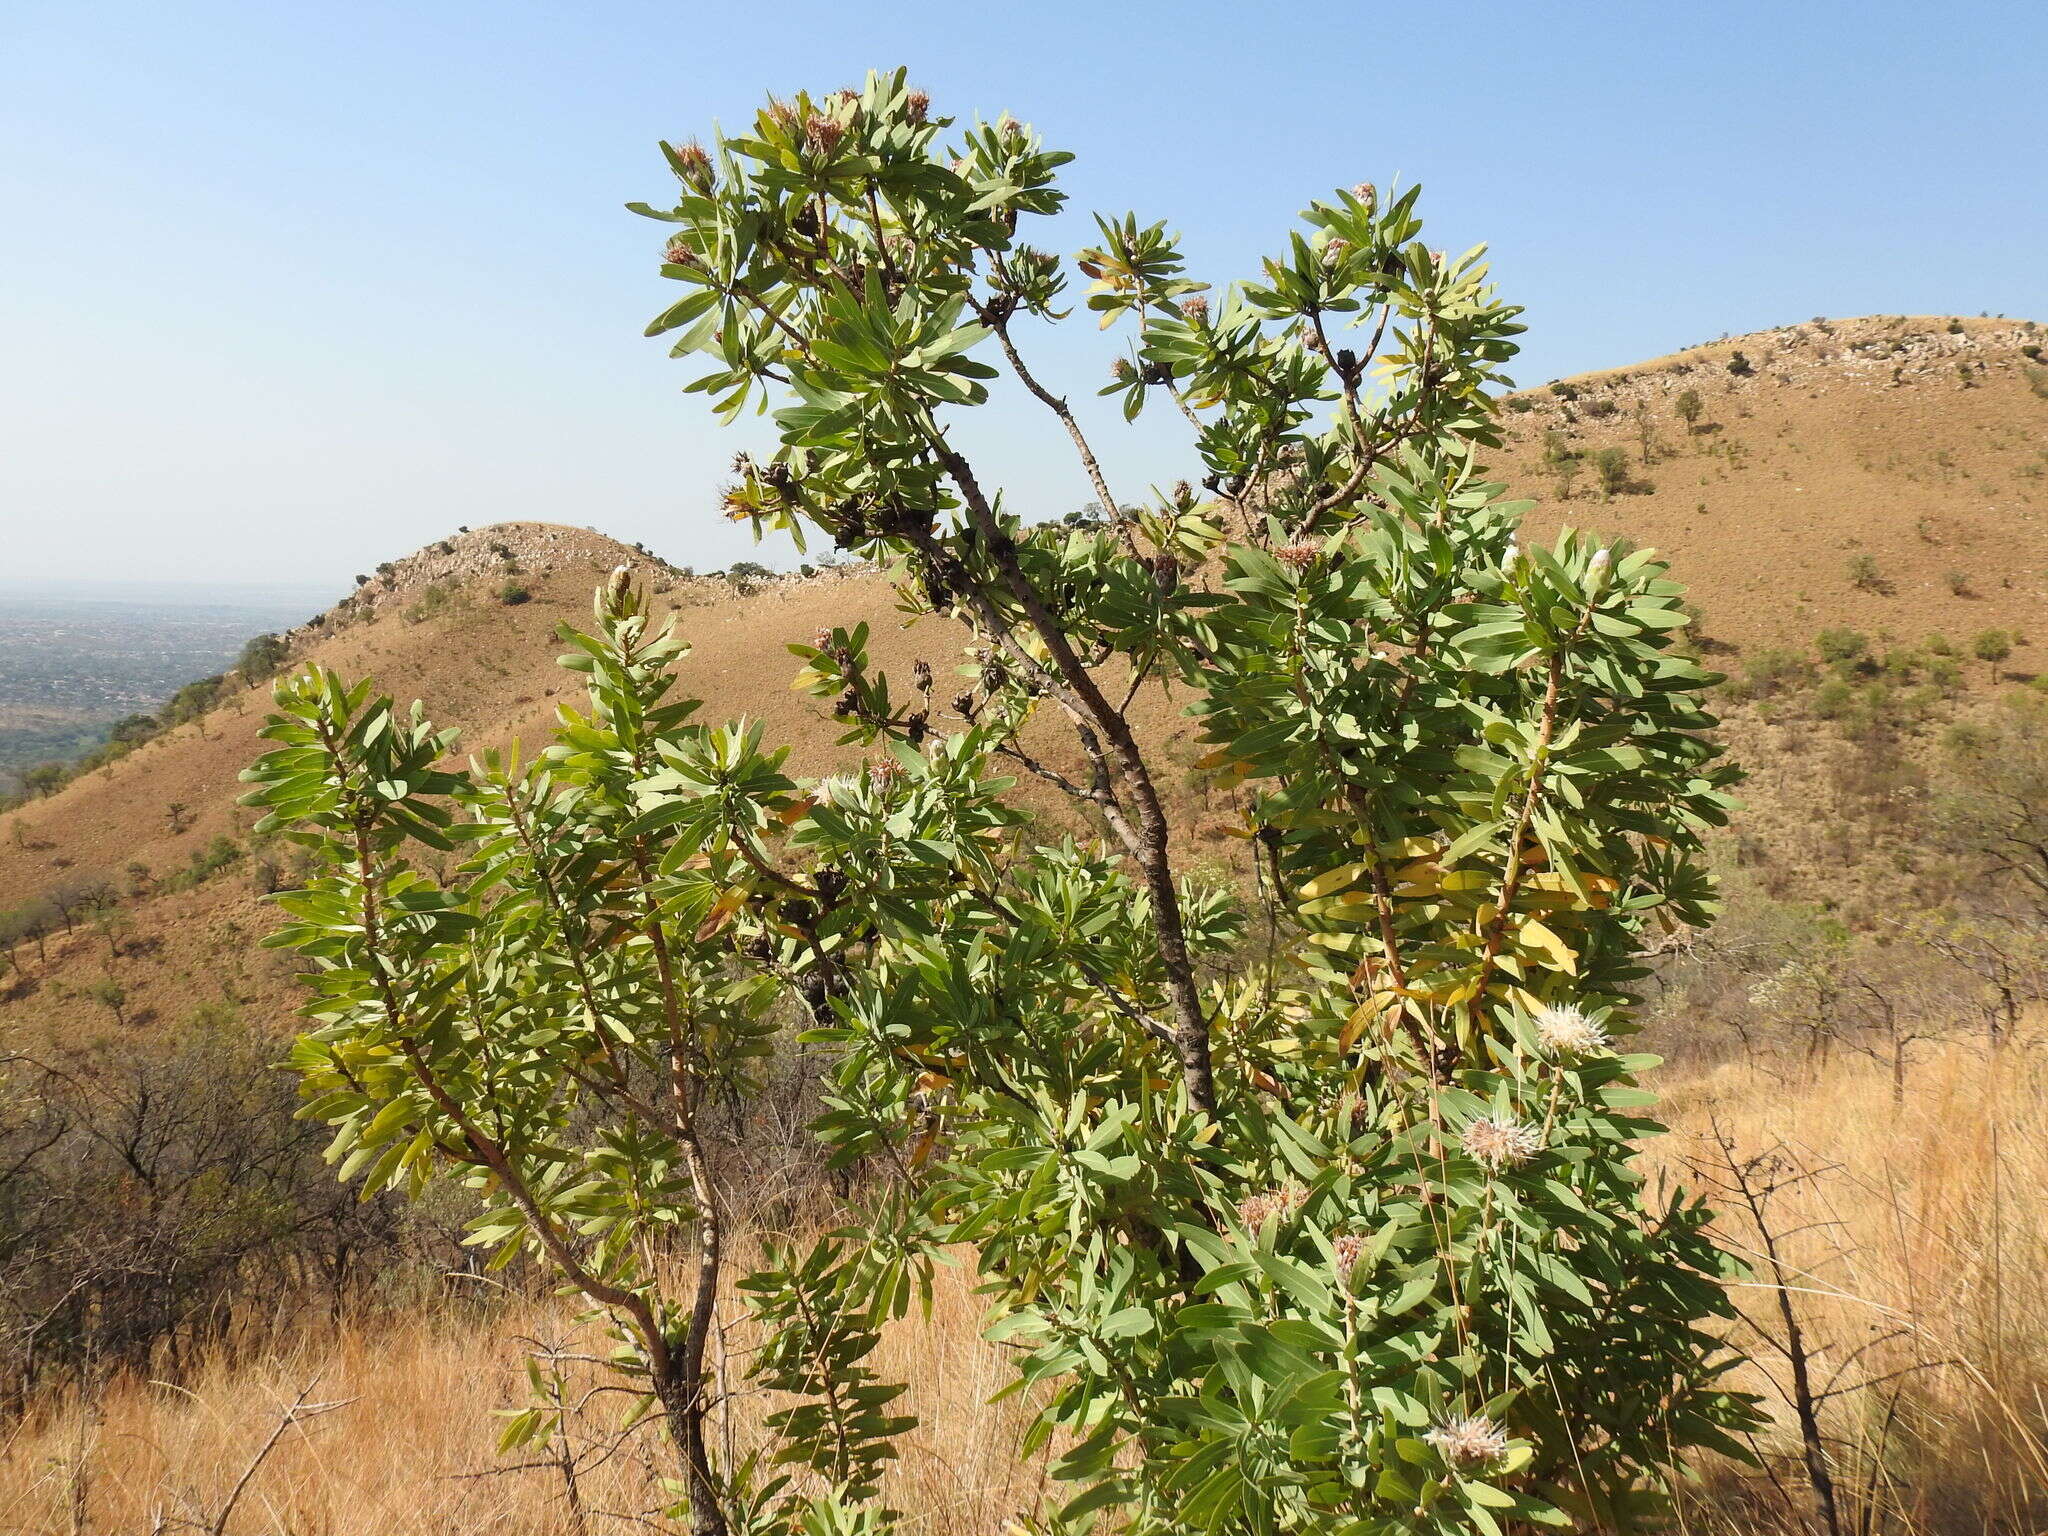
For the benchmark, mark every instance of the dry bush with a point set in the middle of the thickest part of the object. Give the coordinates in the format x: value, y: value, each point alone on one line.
x: 1922, y: 1233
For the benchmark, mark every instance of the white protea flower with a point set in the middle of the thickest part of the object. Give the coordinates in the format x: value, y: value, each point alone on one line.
x: 840, y: 789
x: 1470, y: 1440
x: 1600, y: 560
x: 1566, y: 1031
x: 1498, y: 1142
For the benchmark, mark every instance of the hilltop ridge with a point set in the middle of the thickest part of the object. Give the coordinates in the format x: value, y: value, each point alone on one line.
x: 1915, y: 445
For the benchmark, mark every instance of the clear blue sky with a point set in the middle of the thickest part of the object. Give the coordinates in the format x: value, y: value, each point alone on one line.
x: 290, y: 288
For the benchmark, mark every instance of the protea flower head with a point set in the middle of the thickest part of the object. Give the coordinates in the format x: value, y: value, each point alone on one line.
x: 1261, y: 1206
x: 823, y: 133
x: 1347, y: 1249
x: 1366, y: 193
x: 916, y: 105
x: 1497, y: 1142
x: 1469, y: 1440
x: 1196, y: 308
x: 1600, y: 560
x: 679, y: 254
x: 1298, y: 555
x: 1565, y: 1030
x: 693, y: 165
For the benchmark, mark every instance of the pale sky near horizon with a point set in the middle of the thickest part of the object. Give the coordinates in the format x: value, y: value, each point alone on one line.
x: 293, y: 288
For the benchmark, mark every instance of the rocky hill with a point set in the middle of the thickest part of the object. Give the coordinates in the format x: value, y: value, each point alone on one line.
x: 1884, y: 473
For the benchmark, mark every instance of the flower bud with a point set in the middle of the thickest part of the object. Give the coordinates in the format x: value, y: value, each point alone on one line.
x: 693, y: 166
x: 1366, y: 193
x: 916, y: 105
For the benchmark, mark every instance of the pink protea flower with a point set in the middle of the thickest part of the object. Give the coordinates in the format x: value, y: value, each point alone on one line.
x: 1256, y: 1209
x: 823, y: 133
x: 1196, y: 308
x: 1497, y: 1142
x: 1298, y: 555
x: 1469, y: 1440
x: 693, y: 165
x: 1347, y: 1249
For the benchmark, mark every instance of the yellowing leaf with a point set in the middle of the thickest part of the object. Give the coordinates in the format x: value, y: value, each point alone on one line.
x: 721, y: 913
x: 1332, y: 880
x: 1534, y: 935
x: 1363, y: 1015
x: 1408, y: 848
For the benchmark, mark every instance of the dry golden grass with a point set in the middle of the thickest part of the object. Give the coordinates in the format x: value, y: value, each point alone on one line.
x: 1916, y: 1259
x: 413, y: 1449
x: 1922, y: 1228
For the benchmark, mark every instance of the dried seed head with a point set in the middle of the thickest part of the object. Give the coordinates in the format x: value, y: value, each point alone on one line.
x: 1469, y: 1441
x: 917, y: 105
x: 1122, y: 371
x: 678, y: 254
x: 884, y: 774
x: 1565, y: 1031
x: 1310, y: 339
x: 1497, y: 1143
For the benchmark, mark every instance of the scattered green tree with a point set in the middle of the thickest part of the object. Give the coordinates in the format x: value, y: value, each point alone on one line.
x: 1689, y: 407
x: 1992, y: 646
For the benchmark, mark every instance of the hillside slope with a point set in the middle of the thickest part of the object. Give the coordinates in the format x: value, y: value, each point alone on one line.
x: 1848, y: 438
x: 1919, y: 443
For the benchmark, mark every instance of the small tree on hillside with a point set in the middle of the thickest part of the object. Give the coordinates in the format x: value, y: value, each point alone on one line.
x: 1339, y: 1232
x: 1992, y: 647
x: 1689, y: 407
